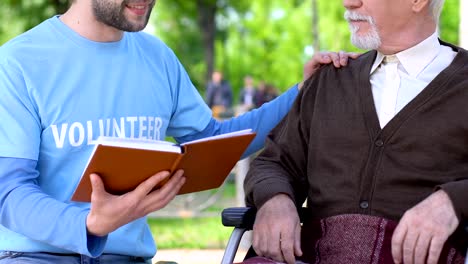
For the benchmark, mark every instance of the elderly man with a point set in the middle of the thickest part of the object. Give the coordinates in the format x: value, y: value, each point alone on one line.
x: 379, y: 150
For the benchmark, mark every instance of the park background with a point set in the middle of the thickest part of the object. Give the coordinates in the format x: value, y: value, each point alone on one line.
x: 269, y: 40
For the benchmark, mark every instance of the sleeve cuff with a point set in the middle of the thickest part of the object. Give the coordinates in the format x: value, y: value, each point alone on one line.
x: 94, y: 244
x: 457, y: 192
x: 268, y: 191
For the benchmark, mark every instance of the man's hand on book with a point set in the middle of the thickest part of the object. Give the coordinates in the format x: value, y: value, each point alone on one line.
x: 109, y: 212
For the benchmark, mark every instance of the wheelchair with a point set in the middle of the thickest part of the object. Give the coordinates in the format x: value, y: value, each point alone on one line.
x: 242, y: 219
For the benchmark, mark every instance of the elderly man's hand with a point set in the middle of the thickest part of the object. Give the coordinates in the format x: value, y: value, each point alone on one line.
x: 424, y: 229
x: 277, y: 230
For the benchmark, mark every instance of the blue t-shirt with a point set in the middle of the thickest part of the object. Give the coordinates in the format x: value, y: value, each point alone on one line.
x: 58, y: 93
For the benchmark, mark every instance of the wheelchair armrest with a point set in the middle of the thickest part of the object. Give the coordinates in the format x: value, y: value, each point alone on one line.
x: 240, y: 217
x: 244, y: 217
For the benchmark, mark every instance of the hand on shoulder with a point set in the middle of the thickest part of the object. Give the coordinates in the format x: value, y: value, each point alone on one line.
x: 339, y: 59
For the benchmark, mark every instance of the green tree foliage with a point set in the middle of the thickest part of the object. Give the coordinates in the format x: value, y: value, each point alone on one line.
x: 450, y: 20
x: 176, y: 24
x: 247, y: 34
x: 20, y: 15
x: 267, y: 42
x: 192, y: 28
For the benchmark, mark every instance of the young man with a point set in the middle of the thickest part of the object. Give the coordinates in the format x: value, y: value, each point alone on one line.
x: 377, y: 148
x: 86, y: 73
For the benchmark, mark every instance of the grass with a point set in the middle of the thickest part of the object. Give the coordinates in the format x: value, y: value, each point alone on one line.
x: 189, y: 233
x: 195, y: 232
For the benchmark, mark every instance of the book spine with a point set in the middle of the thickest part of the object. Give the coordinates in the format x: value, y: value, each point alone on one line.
x: 176, y: 162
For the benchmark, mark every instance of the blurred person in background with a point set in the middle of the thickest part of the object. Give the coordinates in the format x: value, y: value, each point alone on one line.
x: 247, y: 93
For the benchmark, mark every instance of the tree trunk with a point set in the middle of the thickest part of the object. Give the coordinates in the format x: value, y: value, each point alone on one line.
x: 315, y: 31
x: 207, y: 23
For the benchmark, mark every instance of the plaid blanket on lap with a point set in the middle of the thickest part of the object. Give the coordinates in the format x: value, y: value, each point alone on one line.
x: 352, y: 239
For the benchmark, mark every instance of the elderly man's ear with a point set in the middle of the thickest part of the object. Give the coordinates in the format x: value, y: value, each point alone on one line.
x: 419, y: 5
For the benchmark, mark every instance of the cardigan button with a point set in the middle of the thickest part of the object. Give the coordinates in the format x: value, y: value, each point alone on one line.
x: 364, y: 204
x: 379, y: 143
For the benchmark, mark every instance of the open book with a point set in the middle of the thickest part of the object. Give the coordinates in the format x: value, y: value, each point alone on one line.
x: 124, y: 163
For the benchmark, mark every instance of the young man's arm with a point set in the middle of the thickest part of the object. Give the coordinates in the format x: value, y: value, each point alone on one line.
x: 260, y: 120
x: 27, y: 210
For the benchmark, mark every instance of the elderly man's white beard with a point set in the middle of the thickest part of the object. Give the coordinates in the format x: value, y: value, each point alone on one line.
x: 369, y: 41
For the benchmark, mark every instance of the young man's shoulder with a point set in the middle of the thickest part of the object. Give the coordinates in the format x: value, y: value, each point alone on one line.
x: 147, y: 39
x: 34, y: 37
x: 150, y: 43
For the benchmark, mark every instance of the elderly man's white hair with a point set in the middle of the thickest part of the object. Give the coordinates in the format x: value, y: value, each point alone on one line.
x: 436, y: 8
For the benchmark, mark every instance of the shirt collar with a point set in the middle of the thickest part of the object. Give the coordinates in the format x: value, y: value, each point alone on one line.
x: 377, y: 62
x: 416, y: 58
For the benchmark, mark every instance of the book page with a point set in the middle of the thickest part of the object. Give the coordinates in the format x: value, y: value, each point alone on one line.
x: 138, y: 143
x: 231, y: 134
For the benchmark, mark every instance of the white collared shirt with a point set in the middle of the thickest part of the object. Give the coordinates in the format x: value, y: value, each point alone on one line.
x: 417, y: 67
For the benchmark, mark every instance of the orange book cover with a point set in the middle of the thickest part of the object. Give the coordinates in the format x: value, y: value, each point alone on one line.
x: 124, y: 163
